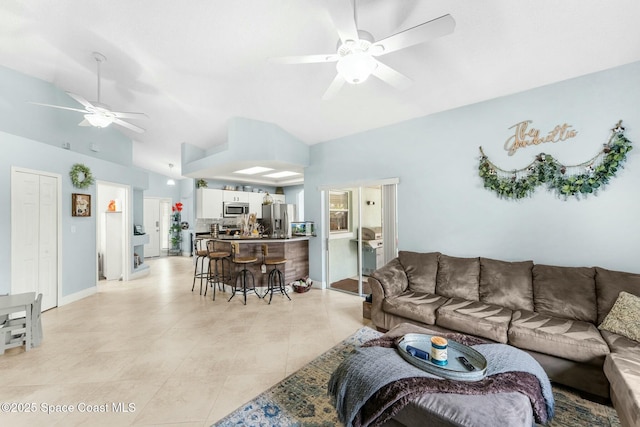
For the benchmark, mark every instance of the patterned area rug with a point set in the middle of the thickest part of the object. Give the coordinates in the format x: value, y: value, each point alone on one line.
x: 301, y: 399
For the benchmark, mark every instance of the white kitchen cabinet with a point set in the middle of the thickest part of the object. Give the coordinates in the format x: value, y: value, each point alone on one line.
x: 235, y: 196
x: 278, y: 198
x: 255, y: 203
x: 209, y: 203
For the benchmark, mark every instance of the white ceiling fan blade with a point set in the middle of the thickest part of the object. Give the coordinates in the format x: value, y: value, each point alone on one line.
x: 59, y: 107
x: 128, y: 125
x: 85, y: 122
x: 419, y: 34
x: 305, y: 59
x: 391, y: 76
x: 342, y: 15
x: 334, y: 87
x: 123, y: 115
x: 82, y: 101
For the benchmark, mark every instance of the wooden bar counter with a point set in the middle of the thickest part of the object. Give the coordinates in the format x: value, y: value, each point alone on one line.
x: 295, y: 250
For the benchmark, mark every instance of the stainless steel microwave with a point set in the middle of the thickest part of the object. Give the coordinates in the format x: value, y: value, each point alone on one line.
x: 234, y: 209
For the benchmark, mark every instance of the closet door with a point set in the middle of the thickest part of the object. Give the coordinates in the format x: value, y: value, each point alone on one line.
x: 34, y: 235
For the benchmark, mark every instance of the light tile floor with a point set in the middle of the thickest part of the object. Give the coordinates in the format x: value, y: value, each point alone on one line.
x: 151, y: 352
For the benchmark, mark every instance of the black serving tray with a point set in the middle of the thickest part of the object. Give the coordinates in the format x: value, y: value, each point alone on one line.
x: 453, y: 370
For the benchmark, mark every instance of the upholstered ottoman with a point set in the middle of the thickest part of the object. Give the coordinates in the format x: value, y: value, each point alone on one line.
x: 443, y: 409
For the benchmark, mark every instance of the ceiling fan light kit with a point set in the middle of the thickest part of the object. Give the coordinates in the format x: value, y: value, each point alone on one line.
x: 98, y: 120
x: 356, y: 67
x: 357, y: 49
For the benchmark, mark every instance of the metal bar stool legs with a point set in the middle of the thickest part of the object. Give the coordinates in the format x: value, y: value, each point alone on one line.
x: 200, y: 255
x: 275, y: 283
x: 216, y: 256
x: 275, y: 280
x: 243, y: 275
x: 217, y: 275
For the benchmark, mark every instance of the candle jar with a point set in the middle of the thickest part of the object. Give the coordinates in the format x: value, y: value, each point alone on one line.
x: 439, y: 350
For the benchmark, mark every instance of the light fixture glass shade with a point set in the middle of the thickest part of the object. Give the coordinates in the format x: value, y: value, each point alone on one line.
x: 356, y: 67
x: 98, y: 120
x: 171, y: 182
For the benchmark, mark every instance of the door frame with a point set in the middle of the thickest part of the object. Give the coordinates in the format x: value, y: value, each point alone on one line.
x: 389, y: 232
x: 127, y: 215
x: 161, y: 225
x: 15, y: 234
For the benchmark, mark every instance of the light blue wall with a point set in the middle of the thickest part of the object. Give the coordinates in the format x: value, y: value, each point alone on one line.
x: 78, y: 248
x: 248, y: 141
x: 53, y: 126
x: 31, y: 137
x: 442, y: 205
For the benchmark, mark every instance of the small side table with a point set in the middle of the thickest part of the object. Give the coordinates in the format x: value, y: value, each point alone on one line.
x: 14, y: 304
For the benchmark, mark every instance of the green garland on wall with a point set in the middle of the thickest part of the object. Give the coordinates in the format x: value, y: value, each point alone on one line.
x: 565, y: 180
x: 81, y: 176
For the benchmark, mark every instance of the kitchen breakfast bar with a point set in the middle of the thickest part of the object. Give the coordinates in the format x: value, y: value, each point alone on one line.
x: 295, y: 250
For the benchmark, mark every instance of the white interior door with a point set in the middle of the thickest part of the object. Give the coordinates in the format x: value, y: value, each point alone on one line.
x: 165, y: 222
x: 35, y: 230
x: 152, y: 227
x: 48, y: 244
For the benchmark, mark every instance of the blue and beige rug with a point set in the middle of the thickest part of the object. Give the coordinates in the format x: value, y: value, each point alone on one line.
x: 301, y: 399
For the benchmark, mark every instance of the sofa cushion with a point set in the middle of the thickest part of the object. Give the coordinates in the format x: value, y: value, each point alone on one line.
x: 568, y: 292
x: 417, y: 306
x: 421, y: 269
x: 609, y: 284
x: 475, y: 318
x: 392, y: 278
x: 619, y: 344
x: 624, y: 317
x: 569, y: 339
x: 507, y: 284
x: 458, y: 277
x: 623, y: 373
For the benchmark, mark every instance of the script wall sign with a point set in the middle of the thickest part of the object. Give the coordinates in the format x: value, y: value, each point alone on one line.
x: 525, y: 135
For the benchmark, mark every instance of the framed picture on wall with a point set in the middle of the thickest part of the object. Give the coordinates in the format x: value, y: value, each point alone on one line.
x: 80, y: 204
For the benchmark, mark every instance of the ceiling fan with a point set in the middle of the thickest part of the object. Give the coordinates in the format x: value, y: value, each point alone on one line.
x: 357, y: 49
x: 97, y: 114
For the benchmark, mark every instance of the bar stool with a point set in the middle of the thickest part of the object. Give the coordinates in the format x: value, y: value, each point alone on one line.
x: 275, y: 281
x: 243, y: 274
x: 200, y: 255
x: 217, y: 276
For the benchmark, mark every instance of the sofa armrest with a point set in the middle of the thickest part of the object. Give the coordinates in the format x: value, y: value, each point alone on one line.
x: 385, y: 282
x: 392, y: 278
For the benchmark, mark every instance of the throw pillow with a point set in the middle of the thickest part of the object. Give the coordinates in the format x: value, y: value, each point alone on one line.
x: 609, y: 284
x: 566, y: 292
x: 458, y: 278
x: 624, y: 317
x: 421, y: 269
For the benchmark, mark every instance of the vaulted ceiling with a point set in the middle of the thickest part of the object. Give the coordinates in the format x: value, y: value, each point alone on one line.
x: 190, y: 66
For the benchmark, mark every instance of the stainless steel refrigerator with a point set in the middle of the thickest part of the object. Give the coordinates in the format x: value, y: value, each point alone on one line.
x: 277, y: 219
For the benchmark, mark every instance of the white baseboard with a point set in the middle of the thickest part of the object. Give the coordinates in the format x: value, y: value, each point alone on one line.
x: 77, y: 296
x: 139, y: 272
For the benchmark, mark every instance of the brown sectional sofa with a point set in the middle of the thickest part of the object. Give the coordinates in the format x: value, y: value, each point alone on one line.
x: 551, y: 312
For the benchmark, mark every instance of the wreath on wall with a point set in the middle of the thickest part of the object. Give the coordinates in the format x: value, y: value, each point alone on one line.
x: 565, y: 180
x: 81, y: 176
